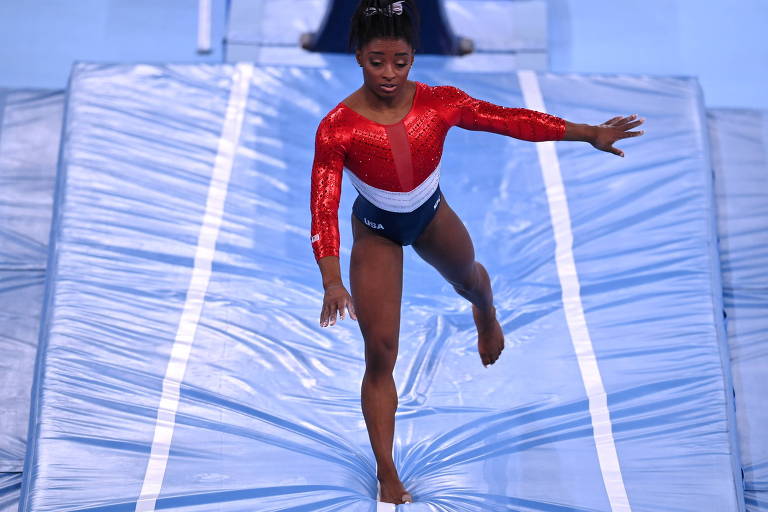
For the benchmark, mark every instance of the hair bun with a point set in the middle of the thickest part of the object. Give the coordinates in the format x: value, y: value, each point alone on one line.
x: 393, y: 9
x: 373, y: 19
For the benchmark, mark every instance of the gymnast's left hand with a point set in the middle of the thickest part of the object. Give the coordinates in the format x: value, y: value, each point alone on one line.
x: 617, y: 128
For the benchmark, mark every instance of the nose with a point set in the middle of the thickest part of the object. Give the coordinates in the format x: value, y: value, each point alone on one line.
x: 389, y: 72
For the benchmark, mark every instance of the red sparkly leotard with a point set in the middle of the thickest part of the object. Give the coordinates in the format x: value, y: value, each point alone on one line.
x: 396, y: 166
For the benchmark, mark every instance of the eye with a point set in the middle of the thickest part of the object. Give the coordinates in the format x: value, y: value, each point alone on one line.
x: 375, y: 63
x: 401, y: 64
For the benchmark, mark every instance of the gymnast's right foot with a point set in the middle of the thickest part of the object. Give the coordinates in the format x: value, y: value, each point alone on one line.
x: 391, y: 490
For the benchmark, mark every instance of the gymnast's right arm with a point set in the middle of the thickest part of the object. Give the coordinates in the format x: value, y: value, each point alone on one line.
x: 324, y: 206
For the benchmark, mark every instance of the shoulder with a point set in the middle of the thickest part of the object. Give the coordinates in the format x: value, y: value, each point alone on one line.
x: 334, y: 116
x: 334, y: 122
x: 445, y: 95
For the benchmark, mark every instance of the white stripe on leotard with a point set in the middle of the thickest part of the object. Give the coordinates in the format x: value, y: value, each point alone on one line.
x: 602, y: 429
x: 401, y: 202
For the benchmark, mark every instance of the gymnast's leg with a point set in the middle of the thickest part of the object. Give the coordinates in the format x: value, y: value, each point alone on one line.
x: 376, y: 284
x: 445, y: 244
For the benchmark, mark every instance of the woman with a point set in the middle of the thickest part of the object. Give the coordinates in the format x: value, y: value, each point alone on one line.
x: 389, y: 135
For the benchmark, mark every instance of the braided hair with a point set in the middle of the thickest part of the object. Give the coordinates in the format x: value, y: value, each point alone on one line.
x: 384, y: 18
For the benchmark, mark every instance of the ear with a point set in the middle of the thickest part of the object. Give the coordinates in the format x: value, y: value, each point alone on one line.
x: 359, y: 57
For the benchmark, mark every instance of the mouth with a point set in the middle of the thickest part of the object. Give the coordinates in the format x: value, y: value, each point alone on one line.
x: 388, y: 87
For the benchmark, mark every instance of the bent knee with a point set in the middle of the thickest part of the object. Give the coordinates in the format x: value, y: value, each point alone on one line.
x: 466, y: 279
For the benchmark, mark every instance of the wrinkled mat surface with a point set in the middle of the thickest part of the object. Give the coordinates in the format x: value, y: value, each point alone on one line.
x: 168, y: 241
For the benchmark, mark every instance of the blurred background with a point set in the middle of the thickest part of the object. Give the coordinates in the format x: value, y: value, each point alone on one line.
x: 724, y: 44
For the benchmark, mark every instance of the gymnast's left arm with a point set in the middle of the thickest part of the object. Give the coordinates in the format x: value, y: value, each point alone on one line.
x: 534, y: 126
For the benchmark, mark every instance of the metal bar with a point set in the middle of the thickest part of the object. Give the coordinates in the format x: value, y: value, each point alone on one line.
x: 204, y: 9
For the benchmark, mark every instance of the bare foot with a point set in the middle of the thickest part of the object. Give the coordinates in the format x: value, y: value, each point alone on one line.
x: 490, y: 336
x: 391, y: 490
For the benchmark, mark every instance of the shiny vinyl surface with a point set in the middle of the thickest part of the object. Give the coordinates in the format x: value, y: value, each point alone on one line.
x: 30, y: 124
x: 740, y: 160
x: 268, y: 414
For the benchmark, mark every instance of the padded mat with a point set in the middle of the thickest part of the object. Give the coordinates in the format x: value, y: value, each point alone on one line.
x: 183, y: 366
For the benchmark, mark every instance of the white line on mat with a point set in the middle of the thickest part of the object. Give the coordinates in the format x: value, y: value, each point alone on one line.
x: 602, y: 429
x: 193, y: 305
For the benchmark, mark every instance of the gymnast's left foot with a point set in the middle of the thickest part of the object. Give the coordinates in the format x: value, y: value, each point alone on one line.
x: 490, y: 336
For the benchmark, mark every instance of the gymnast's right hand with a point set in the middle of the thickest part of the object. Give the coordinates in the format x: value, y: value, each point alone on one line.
x: 336, y: 300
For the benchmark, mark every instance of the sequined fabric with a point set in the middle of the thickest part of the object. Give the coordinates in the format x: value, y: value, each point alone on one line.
x: 345, y: 138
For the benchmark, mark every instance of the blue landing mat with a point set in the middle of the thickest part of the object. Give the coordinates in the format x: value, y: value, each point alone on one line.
x: 30, y: 124
x: 183, y: 365
x: 740, y: 159
x: 10, y: 487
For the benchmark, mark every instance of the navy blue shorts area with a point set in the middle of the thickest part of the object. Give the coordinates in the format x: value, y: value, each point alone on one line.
x: 401, y: 228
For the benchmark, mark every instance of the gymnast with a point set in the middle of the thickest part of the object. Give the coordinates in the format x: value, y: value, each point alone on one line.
x: 389, y: 136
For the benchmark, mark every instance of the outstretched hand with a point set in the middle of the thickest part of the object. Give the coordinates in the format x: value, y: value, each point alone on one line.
x: 606, y: 134
x: 336, y: 300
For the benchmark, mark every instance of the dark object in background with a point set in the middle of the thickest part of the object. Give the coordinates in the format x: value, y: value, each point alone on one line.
x: 436, y: 35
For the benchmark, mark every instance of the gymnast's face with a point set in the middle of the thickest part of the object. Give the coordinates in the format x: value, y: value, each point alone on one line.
x: 386, y: 63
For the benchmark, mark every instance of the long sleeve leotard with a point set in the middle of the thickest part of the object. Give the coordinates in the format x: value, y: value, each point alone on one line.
x: 396, y: 166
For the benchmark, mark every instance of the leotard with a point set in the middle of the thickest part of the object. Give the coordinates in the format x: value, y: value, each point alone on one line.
x: 395, y: 167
